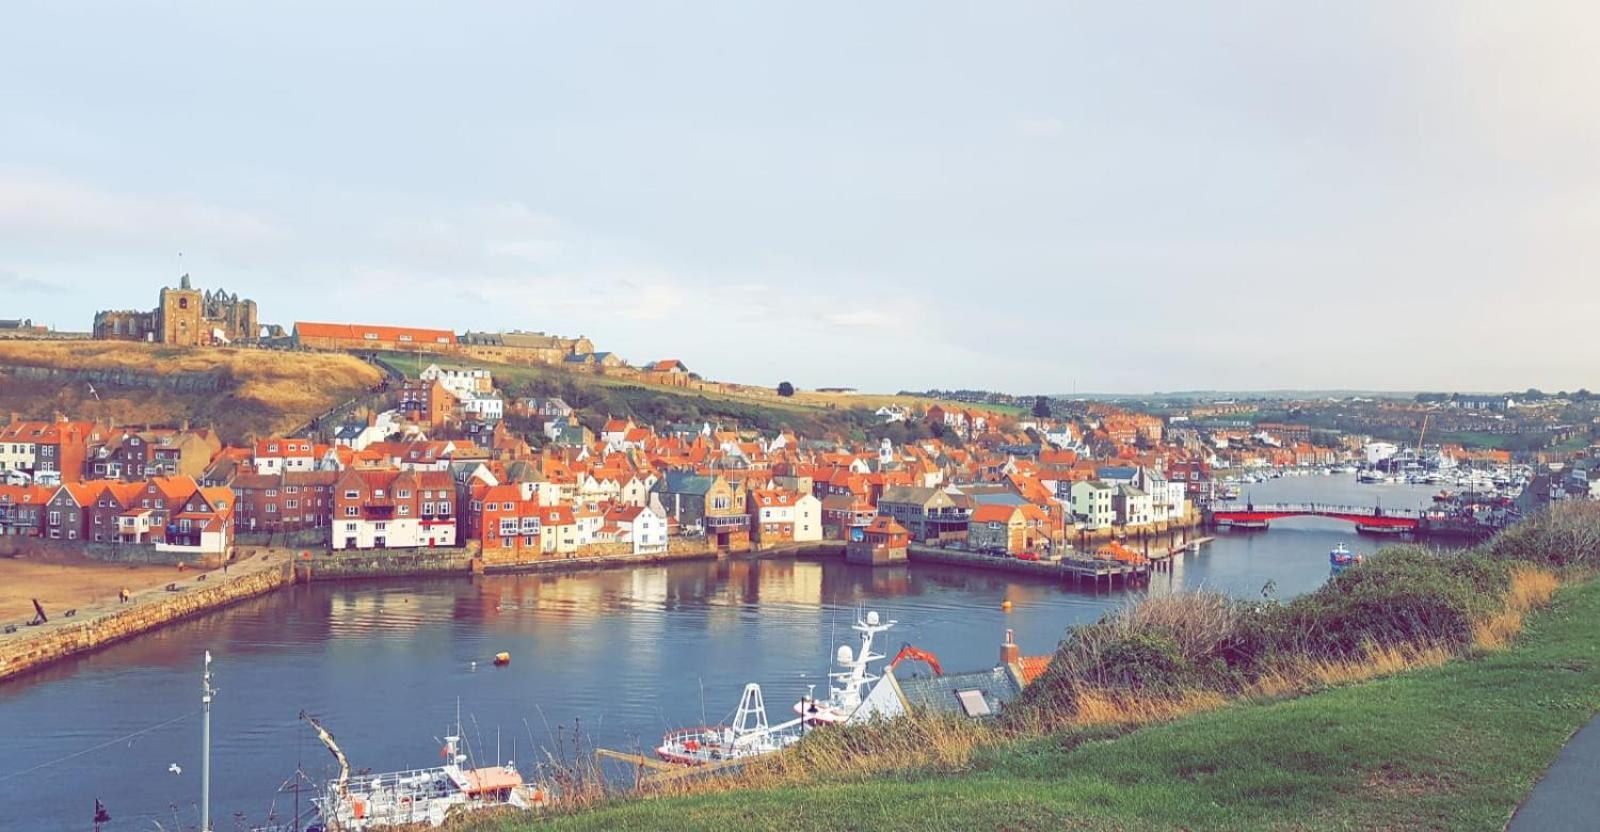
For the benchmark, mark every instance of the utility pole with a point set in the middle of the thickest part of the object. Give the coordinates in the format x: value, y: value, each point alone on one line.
x: 205, y: 747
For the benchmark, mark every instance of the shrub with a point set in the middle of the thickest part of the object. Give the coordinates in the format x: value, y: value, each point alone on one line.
x: 1402, y: 595
x: 1567, y: 534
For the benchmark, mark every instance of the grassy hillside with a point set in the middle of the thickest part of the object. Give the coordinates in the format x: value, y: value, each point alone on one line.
x: 1452, y: 747
x: 257, y: 391
x: 812, y: 414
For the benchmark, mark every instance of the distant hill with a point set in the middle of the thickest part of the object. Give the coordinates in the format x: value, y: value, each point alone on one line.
x: 1212, y: 395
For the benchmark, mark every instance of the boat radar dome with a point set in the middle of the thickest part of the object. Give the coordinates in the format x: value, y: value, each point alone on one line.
x: 845, y: 655
x: 872, y: 618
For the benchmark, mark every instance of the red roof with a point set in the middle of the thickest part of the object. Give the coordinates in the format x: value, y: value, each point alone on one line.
x: 361, y: 332
x: 991, y: 513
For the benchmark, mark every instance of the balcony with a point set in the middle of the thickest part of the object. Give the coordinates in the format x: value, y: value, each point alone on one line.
x: 726, y: 522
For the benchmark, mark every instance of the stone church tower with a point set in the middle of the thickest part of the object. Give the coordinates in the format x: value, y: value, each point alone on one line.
x: 179, y: 316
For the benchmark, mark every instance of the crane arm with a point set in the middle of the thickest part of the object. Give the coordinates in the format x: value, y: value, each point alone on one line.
x: 327, y: 739
x: 909, y: 652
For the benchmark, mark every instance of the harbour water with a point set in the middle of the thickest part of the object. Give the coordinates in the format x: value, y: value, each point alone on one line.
x: 614, y: 658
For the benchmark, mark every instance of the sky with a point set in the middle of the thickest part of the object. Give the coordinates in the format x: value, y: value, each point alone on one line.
x: 1053, y: 197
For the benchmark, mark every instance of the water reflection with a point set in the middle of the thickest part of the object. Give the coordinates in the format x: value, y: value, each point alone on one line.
x: 625, y: 653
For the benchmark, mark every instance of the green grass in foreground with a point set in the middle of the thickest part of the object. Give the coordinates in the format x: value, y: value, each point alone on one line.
x: 1454, y: 747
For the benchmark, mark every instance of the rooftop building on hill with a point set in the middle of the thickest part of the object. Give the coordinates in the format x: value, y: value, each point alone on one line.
x: 184, y: 316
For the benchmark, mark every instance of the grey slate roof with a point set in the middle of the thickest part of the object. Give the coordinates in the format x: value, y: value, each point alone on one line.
x: 683, y: 482
x: 998, y: 686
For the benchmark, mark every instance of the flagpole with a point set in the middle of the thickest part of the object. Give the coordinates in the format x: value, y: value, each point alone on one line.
x: 205, y: 748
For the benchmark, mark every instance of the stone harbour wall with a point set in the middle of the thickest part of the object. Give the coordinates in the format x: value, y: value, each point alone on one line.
x: 32, y: 648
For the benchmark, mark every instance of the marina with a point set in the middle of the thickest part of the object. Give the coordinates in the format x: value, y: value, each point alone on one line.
x: 616, y: 658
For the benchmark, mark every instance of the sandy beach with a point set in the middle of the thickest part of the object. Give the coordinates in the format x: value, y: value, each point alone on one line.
x: 62, y: 585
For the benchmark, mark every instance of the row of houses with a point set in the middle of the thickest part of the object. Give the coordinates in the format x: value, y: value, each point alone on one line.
x: 174, y: 514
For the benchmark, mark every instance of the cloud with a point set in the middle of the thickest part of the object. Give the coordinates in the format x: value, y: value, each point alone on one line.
x: 34, y: 208
x: 861, y: 319
x: 12, y: 282
x: 1048, y: 127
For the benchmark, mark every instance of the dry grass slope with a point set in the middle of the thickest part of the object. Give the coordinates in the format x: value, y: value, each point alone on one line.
x: 258, y: 390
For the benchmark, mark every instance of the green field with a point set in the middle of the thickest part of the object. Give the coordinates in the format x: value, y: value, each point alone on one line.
x: 1453, y: 747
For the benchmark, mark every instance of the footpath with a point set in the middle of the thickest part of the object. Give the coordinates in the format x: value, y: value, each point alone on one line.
x: 1568, y: 795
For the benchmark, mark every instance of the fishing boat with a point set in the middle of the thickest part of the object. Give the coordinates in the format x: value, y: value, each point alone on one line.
x: 1341, y: 557
x: 748, y: 735
x: 417, y: 797
x: 853, y: 676
x: 1371, y: 475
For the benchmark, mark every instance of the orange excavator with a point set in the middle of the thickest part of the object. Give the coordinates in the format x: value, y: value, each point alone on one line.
x: 909, y: 652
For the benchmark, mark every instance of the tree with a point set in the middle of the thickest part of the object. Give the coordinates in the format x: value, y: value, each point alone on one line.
x: 1041, y: 408
x: 785, y: 389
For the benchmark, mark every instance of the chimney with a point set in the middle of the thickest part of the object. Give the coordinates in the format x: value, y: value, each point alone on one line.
x: 1010, y: 653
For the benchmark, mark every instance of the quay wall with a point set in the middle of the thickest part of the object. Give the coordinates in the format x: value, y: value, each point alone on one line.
x: 389, y: 563
x: 950, y: 557
x: 23, y: 652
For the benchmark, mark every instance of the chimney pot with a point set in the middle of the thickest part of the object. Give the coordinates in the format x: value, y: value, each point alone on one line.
x: 1010, y: 653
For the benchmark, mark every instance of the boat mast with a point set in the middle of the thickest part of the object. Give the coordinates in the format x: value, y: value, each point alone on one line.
x: 205, y: 746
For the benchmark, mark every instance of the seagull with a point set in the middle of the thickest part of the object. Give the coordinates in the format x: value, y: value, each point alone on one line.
x: 175, y: 768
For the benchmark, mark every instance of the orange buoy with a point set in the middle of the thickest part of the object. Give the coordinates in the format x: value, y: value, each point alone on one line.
x: 1006, y: 605
x: 502, y: 659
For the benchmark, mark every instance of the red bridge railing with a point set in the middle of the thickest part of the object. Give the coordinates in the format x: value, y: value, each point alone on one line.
x: 1317, y: 509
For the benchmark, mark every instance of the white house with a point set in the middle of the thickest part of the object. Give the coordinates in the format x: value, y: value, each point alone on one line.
x: 890, y: 413
x: 481, y: 407
x: 275, y: 456
x: 1092, y: 502
x: 639, y: 525
x: 807, y: 519
x: 1168, y: 499
x: 460, y: 380
x: 1133, y: 507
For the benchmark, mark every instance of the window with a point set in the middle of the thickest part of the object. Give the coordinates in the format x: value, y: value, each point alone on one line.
x: 444, y: 508
x: 379, y: 527
x: 291, y: 504
x: 427, y: 508
x: 352, y: 495
x: 272, y: 492
x: 405, y: 337
x: 351, y: 511
x: 272, y: 508
x: 349, y: 527
x: 973, y: 703
x: 405, y: 509
x: 377, y: 493
x: 370, y: 336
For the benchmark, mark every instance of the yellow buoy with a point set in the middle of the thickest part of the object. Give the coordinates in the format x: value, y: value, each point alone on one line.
x: 1005, y: 605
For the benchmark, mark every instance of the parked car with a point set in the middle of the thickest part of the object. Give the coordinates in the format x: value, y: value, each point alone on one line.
x: 1027, y: 556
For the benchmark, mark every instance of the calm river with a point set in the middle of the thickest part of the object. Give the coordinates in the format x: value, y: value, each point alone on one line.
x: 622, y: 655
